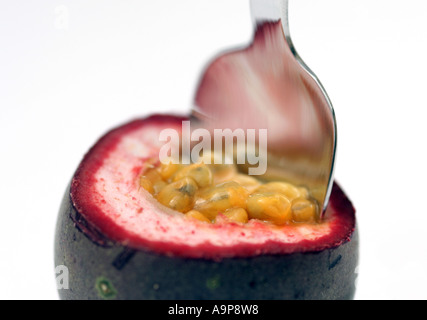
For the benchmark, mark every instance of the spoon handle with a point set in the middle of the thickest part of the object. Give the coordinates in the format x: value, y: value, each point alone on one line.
x: 275, y: 10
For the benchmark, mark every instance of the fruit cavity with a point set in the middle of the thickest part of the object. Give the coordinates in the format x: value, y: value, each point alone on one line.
x: 203, y: 192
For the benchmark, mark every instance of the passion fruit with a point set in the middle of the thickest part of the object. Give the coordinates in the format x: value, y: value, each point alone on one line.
x: 132, y: 228
x: 119, y: 241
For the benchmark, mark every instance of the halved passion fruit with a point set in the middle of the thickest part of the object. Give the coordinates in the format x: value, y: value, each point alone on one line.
x: 132, y: 228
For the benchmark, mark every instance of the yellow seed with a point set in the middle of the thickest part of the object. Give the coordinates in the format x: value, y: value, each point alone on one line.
x: 288, y: 190
x: 158, y: 186
x: 248, y: 182
x: 303, y: 192
x: 223, y: 172
x: 237, y: 215
x: 146, y: 184
x: 271, y: 207
x: 303, y: 210
x: 220, y: 198
x: 198, y: 172
x: 317, y: 193
x: 152, y: 175
x: 193, y: 214
x: 179, y: 195
x: 167, y: 171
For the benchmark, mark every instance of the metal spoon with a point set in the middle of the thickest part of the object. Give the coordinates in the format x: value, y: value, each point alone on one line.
x: 319, y: 171
x: 267, y: 85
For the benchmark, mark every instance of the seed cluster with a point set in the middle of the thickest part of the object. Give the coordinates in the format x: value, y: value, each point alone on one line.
x: 206, y: 192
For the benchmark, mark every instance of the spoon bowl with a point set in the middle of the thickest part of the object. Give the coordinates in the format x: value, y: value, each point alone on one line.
x: 267, y: 86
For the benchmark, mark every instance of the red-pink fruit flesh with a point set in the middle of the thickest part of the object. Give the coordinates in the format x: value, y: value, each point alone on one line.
x: 105, y: 191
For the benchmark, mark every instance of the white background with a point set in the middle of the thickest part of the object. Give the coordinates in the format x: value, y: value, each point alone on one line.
x: 65, y: 81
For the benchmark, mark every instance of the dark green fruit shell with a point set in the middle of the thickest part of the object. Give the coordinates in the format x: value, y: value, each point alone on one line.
x: 104, y: 270
x: 103, y: 266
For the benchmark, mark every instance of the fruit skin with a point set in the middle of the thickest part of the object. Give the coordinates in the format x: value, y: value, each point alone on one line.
x: 101, y: 269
